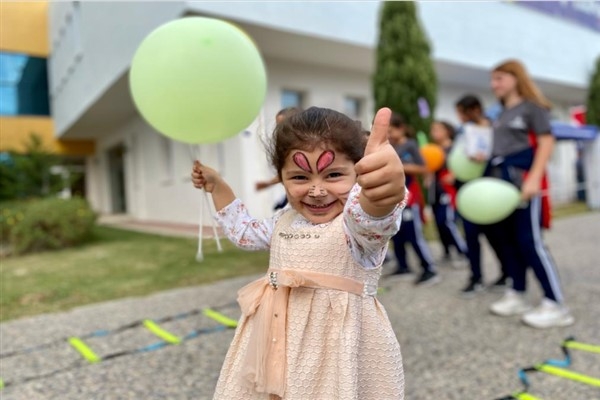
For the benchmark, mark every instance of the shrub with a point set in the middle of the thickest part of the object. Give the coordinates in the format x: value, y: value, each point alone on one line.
x: 11, y: 213
x: 50, y: 224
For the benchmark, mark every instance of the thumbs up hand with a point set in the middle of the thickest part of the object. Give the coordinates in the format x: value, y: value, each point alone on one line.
x: 380, y: 171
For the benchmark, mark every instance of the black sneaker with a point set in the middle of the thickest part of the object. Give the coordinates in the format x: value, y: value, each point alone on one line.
x: 500, y: 284
x: 428, y: 278
x: 475, y: 286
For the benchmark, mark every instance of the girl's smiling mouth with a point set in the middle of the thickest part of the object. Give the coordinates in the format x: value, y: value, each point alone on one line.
x: 319, y: 208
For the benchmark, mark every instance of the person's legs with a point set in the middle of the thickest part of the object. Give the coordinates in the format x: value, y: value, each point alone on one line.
x: 399, y: 240
x: 456, y: 238
x: 502, y: 236
x: 551, y: 312
x: 419, y: 244
x: 439, y: 213
x: 475, y: 283
x: 533, y: 250
x: 473, y: 249
x: 417, y: 239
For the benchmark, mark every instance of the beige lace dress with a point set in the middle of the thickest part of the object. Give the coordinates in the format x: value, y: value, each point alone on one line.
x: 312, y: 328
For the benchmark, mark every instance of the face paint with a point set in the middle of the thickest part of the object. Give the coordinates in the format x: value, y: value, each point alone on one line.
x: 325, y: 160
x: 301, y: 161
x: 317, y: 192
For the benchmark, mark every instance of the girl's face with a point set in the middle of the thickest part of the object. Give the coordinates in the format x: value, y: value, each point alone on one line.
x: 318, y: 182
x: 503, y: 84
x: 395, y: 135
x: 438, y: 133
x: 463, y: 115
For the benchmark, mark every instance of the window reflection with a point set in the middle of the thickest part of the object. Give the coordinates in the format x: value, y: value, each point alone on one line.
x: 23, y: 85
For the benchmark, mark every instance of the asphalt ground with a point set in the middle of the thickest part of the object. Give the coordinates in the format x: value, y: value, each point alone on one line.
x: 452, y: 347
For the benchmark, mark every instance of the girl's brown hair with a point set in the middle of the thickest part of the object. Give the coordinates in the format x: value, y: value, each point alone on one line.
x: 525, y: 85
x: 316, y: 127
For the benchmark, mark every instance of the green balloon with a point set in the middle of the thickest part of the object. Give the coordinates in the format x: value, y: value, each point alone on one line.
x: 462, y: 167
x: 422, y: 138
x: 487, y: 200
x: 198, y: 80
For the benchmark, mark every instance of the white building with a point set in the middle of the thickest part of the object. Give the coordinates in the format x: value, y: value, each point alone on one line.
x: 316, y: 53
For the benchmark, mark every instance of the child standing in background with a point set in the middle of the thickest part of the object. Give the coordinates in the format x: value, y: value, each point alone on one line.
x: 411, y: 230
x: 442, y: 197
x: 312, y: 327
x: 470, y: 111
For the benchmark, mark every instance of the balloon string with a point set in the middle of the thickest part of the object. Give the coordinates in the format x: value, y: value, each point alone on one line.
x: 195, y: 154
x: 214, y: 225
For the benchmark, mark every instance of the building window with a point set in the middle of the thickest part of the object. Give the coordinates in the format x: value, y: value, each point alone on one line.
x: 23, y: 85
x: 353, y: 107
x: 291, y: 98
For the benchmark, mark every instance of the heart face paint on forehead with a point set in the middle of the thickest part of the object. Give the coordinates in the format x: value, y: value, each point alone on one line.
x: 301, y: 161
x: 325, y: 160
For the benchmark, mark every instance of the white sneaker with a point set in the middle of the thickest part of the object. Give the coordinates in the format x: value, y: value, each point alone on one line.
x: 513, y: 303
x: 548, y: 314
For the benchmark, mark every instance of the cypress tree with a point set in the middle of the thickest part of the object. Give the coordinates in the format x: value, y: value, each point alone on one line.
x: 404, y: 70
x: 592, y: 116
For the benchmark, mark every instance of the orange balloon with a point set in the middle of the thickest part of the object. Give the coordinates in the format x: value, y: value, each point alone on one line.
x: 433, y: 155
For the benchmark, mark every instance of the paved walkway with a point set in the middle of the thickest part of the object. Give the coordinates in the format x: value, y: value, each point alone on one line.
x: 452, y: 347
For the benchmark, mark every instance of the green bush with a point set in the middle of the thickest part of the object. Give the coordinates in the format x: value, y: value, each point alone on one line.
x: 11, y: 213
x: 47, y: 224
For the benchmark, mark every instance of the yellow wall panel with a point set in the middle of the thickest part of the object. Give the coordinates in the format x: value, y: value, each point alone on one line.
x: 15, y: 132
x: 24, y: 27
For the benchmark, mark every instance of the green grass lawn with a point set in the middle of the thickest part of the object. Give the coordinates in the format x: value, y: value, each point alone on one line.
x: 115, y: 264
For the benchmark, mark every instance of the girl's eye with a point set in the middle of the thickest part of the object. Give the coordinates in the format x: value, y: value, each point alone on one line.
x: 335, y: 175
x: 298, y: 178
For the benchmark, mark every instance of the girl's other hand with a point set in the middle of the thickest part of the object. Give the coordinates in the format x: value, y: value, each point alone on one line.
x: 530, y: 188
x: 204, y: 177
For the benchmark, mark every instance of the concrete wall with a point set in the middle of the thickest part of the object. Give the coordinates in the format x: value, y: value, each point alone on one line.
x: 92, y: 46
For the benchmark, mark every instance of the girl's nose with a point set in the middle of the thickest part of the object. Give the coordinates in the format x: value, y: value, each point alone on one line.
x: 317, y: 191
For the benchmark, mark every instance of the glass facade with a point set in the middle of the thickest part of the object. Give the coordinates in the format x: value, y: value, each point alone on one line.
x: 23, y: 85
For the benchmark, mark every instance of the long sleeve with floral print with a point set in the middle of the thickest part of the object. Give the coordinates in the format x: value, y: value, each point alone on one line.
x: 367, y: 236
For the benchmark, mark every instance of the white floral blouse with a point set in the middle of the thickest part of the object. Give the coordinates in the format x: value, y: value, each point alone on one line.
x: 366, y: 236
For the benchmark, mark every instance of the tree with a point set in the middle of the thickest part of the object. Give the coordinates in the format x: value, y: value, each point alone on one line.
x: 592, y: 115
x: 29, y: 174
x: 404, y: 71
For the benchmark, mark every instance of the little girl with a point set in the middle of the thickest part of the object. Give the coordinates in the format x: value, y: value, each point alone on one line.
x: 311, y: 328
x: 442, y: 195
x: 412, y: 228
